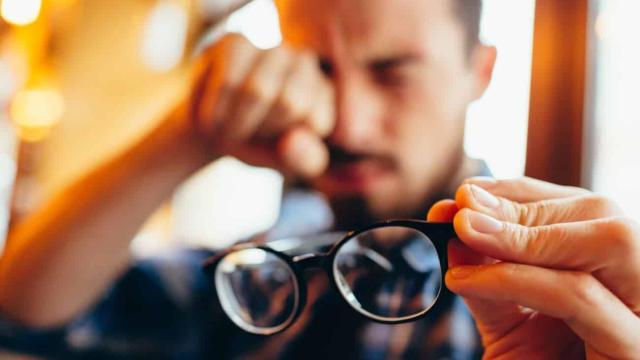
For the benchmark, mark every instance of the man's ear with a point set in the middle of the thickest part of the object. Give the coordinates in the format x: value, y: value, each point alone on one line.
x: 483, y: 62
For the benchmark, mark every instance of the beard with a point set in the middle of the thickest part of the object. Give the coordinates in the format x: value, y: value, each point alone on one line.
x: 351, y: 212
x: 354, y: 211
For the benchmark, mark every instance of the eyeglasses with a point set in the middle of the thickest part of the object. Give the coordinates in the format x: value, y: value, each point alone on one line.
x: 391, y: 272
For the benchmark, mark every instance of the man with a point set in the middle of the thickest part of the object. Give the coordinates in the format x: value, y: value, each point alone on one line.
x: 377, y: 128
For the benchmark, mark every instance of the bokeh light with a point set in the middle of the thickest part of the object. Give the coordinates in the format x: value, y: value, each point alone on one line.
x: 164, y: 36
x: 21, y: 12
x: 35, y: 112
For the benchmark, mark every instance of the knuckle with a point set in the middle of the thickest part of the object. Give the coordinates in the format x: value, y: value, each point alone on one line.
x: 508, y: 186
x: 545, y: 212
x: 601, y: 206
x: 281, y: 56
x: 226, y: 46
x: 624, y: 233
x: 532, y: 242
x: 526, y: 214
x: 277, y: 53
x: 306, y: 61
x: 521, y: 181
x: 256, y: 91
x: 284, y: 50
x: 235, y: 40
x: 519, y: 237
x: 287, y: 103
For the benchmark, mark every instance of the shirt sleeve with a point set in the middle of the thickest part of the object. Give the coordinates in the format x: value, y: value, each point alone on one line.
x: 157, y: 306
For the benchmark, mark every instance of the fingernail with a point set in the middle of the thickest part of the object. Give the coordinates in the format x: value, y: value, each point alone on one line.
x: 484, y: 198
x: 482, y: 181
x: 461, y: 272
x: 484, y: 224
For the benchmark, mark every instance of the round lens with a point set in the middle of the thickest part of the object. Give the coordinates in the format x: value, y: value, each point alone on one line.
x: 257, y: 290
x: 389, y: 273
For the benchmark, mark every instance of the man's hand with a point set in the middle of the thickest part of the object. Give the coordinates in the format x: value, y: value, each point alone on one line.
x: 548, y: 271
x: 268, y: 108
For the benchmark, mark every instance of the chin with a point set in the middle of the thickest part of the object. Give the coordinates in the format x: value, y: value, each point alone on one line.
x: 375, y: 201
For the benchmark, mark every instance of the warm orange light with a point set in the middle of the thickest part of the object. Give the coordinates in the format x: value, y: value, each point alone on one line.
x: 20, y: 12
x: 35, y: 112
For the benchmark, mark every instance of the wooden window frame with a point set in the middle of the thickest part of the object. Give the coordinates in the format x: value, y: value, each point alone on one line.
x: 556, y: 136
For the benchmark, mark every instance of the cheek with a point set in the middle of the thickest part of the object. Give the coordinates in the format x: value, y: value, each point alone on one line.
x: 450, y: 93
x: 423, y: 130
x: 417, y: 119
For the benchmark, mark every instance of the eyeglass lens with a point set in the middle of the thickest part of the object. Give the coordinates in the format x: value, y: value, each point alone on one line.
x: 257, y: 290
x: 387, y: 274
x: 390, y: 273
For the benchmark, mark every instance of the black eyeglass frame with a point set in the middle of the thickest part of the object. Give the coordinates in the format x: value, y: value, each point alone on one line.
x: 438, y: 233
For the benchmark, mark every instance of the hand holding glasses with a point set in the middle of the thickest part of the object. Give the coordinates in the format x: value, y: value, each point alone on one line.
x: 391, y: 272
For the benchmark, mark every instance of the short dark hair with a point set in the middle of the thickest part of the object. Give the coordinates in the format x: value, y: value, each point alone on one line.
x: 469, y: 13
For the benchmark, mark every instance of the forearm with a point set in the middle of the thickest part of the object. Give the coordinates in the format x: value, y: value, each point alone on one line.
x: 62, y: 259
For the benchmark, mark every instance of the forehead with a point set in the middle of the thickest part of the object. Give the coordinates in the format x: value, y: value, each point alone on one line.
x: 365, y: 28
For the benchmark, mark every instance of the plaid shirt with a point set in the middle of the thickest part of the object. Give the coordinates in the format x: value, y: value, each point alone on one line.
x: 164, y: 307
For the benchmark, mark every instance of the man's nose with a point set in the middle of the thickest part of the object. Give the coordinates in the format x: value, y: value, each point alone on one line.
x: 357, y: 116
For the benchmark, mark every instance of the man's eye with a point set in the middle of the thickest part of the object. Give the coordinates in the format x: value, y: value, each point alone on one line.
x: 326, y: 67
x: 391, y: 77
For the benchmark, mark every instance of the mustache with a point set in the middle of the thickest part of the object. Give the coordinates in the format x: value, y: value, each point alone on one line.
x: 339, y: 156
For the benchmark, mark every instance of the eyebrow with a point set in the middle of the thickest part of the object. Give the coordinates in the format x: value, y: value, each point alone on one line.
x: 382, y: 64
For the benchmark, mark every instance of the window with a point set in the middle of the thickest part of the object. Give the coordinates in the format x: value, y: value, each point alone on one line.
x: 615, y: 125
x: 504, y: 109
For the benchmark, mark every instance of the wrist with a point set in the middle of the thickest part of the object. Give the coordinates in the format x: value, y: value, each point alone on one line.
x: 174, y: 147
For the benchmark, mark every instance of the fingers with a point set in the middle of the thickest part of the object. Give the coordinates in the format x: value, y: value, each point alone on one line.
x: 305, y: 99
x: 256, y: 96
x: 458, y: 252
x: 322, y: 117
x: 608, y: 248
x: 267, y: 108
x: 576, y: 245
x: 545, y: 212
x: 303, y: 152
x: 229, y: 62
x: 493, y: 318
x: 525, y: 189
x: 588, y: 307
x: 566, y: 253
x: 442, y: 211
x: 461, y: 254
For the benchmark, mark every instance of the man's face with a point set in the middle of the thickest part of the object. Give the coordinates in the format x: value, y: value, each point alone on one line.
x: 403, y: 78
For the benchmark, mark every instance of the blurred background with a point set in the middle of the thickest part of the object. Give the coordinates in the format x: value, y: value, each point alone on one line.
x: 80, y: 79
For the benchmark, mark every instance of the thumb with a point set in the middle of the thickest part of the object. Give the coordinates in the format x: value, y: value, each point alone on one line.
x: 493, y: 318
